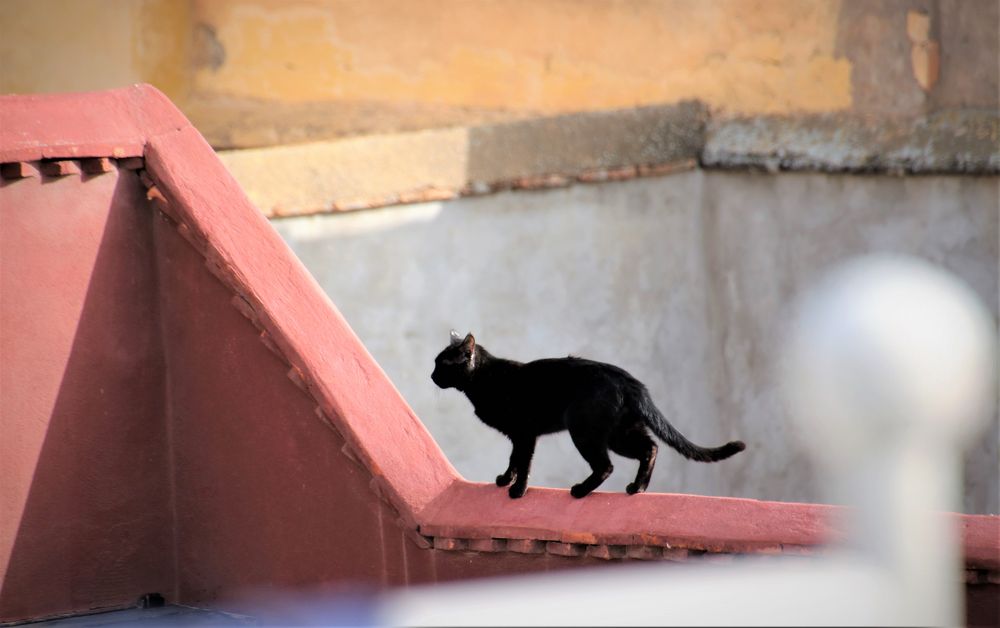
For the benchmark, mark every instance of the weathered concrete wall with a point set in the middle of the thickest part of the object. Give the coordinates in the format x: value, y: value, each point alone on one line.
x: 685, y: 280
x: 437, y: 164
x: 555, y: 151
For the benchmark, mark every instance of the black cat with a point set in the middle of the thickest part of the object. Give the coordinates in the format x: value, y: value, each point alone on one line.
x: 601, y: 405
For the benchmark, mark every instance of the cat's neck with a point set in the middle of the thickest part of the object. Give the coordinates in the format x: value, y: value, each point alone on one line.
x: 486, y: 361
x: 486, y: 369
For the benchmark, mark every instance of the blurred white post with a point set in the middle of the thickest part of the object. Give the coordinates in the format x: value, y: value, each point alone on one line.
x: 891, y: 370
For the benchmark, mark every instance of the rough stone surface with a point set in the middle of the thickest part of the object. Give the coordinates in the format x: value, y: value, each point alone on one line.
x: 586, y: 141
x: 952, y: 141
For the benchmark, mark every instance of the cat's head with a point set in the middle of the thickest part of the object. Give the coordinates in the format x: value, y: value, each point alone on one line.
x: 453, y: 366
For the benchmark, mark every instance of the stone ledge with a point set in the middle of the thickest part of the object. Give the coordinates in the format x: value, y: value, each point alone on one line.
x: 947, y: 142
x: 593, y: 147
x: 432, y: 165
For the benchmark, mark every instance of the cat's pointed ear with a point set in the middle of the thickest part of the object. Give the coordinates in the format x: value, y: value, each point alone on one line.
x: 455, y: 338
x: 469, y: 343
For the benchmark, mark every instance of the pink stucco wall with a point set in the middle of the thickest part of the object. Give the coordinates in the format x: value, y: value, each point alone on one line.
x: 83, y: 471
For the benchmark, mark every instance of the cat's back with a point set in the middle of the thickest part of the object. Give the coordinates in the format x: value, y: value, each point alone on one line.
x: 575, y: 370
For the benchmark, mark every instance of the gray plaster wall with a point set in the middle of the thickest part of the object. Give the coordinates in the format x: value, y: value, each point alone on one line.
x: 686, y: 280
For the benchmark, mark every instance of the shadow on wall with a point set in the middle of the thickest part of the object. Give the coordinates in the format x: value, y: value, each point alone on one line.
x: 584, y: 142
x: 81, y: 537
x: 918, y: 56
x: 193, y: 484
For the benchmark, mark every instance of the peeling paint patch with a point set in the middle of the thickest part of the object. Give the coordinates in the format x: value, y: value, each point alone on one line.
x: 925, y: 53
x: 208, y: 50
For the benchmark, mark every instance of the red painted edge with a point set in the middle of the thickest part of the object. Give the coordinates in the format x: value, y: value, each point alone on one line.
x: 325, y: 355
x: 113, y: 123
x: 981, y: 538
x: 346, y: 383
x: 714, y: 524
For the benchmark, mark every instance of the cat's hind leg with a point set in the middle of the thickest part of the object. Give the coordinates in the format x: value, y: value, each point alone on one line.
x: 634, y: 442
x: 595, y: 451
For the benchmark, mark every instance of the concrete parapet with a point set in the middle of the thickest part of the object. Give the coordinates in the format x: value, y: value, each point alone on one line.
x: 382, y: 170
x: 947, y: 142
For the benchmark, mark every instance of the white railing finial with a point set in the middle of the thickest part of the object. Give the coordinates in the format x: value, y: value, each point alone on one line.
x: 890, y: 371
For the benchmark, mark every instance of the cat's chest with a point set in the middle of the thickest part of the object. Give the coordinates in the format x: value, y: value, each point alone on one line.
x: 495, y: 408
x: 491, y: 410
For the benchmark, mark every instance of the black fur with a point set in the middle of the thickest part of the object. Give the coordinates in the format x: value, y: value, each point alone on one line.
x: 602, y: 406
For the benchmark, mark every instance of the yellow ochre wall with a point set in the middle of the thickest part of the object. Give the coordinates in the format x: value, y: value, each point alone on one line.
x: 226, y: 61
x: 548, y: 56
x: 542, y: 55
x: 83, y: 45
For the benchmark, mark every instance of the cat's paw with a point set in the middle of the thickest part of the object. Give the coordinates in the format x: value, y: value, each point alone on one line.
x: 633, y: 488
x: 579, y: 490
x: 516, y: 491
x: 504, y: 479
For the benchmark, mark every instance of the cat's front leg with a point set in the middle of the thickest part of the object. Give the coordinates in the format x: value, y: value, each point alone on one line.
x: 520, y: 463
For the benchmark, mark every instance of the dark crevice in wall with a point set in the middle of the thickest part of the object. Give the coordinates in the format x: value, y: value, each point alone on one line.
x: 168, y: 411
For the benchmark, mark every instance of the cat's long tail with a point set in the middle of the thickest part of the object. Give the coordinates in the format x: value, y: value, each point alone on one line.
x: 669, y: 434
